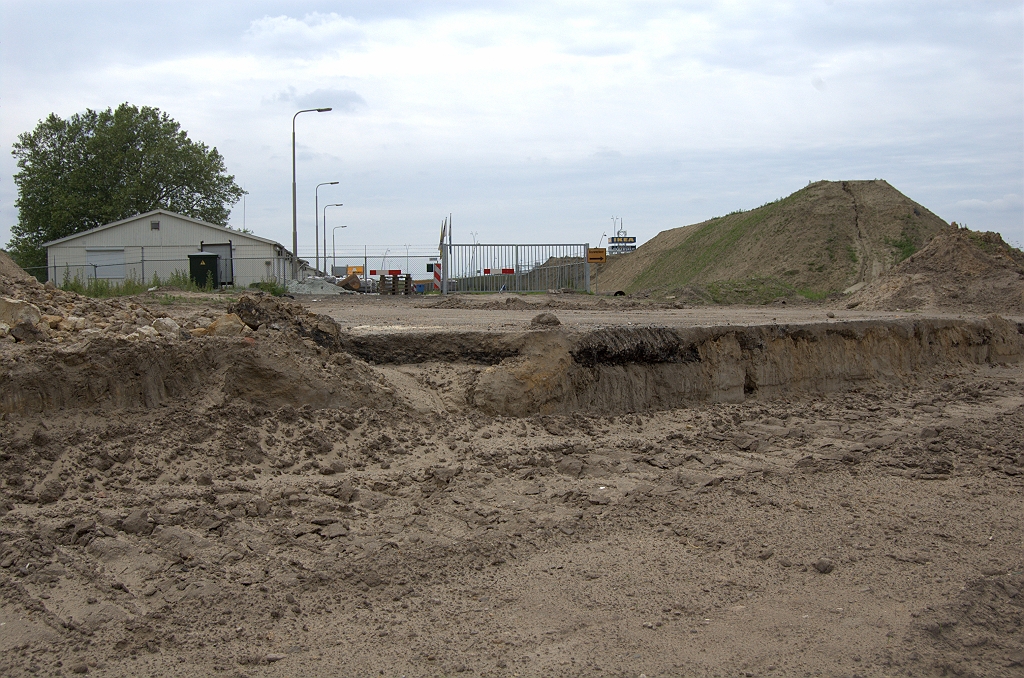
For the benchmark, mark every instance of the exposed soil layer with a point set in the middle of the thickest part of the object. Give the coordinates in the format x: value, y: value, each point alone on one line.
x: 267, y: 492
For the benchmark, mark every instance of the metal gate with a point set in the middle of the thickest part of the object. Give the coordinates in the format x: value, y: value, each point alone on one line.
x: 514, y: 268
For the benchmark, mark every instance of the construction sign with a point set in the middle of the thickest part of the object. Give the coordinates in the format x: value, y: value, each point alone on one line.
x: 597, y: 255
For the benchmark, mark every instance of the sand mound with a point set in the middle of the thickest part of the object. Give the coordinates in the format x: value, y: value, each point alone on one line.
x: 959, y: 270
x: 9, y: 269
x: 823, y: 238
x: 12, y: 276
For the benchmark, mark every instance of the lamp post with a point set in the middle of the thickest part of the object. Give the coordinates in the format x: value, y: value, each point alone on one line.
x: 334, y: 247
x: 316, y: 233
x: 295, y: 214
x: 333, y: 204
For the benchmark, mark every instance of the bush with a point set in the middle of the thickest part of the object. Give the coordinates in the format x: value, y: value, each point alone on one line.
x: 101, y: 288
x: 270, y: 287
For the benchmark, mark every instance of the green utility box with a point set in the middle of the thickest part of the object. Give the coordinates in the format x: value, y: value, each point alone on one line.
x: 202, y: 268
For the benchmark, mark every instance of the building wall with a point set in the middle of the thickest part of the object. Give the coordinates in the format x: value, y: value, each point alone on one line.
x: 145, y: 252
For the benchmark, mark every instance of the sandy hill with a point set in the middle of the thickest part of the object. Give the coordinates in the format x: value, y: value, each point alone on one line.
x: 9, y: 269
x: 826, y: 237
x: 959, y: 270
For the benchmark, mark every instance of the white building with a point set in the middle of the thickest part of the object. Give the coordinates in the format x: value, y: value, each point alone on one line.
x: 159, y: 243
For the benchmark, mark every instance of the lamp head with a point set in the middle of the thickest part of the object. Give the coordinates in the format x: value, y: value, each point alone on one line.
x: 323, y: 110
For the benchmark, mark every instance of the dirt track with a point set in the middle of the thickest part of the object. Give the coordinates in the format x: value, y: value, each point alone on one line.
x: 278, y: 503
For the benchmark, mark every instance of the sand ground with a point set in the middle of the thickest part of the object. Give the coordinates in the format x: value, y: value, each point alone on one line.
x: 873, y: 530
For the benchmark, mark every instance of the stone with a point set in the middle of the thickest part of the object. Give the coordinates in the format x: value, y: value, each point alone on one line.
x: 745, y: 441
x: 262, y: 507
x: 228, y: 325
x: 50, y: 491
x: 570, y: 466
x: 52, y: 321
x: 138, y: 523
x: 333, y: 531
x: 147, y: 332
x: 29, y: 333
x: 15, y: 312
x: 546, y: 318
x: 204, y: 479
x: 166, y: 327
x: 824, y: 565
x: 72, y: 323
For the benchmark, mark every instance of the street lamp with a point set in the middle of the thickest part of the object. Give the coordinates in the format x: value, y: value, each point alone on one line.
x: 334, y: 248
x: 316, y: 233
x: 333, y: 204
x: 295, y: 214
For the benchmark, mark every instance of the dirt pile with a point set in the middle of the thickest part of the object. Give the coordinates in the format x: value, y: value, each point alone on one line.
x: 9, y: 269
x: 264, y: 311
x: 959, y: 270
x: 823, y: 238
x: 70, y: 351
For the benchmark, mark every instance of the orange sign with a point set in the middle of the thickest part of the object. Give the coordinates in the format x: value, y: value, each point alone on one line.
x: 597, y: 255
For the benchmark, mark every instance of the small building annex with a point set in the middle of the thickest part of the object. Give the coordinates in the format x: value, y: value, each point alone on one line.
x: 159, y: 243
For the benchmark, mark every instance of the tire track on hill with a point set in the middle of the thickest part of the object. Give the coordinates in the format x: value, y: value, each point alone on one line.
x: 860, y: 245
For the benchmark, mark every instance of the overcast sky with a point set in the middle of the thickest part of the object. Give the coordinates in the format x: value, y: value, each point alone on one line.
x: 537, y: 122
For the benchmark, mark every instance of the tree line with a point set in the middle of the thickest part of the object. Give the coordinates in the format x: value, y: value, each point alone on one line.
x: 97, y: 167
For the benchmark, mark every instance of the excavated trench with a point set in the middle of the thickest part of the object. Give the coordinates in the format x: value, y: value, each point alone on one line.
x: 633, y: 369
x: 518, y: 374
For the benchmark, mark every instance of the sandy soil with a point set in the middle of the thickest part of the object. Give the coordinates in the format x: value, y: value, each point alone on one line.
x: 348, y: 524
x: 504, y: 313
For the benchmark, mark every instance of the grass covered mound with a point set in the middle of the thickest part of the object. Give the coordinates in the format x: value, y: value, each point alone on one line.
x: 822, y: 239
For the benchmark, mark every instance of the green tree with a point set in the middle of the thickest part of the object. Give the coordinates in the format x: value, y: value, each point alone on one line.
x: 101, y: 166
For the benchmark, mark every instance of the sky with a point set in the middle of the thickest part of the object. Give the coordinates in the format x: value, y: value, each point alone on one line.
x: 540, y: 121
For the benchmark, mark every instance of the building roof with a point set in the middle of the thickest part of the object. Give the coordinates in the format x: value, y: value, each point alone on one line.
x: 170, y: 214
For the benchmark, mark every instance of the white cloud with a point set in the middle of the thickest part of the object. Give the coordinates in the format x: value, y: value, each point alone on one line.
x: 340, y: 99
x: 561, y: 113
x: 1007, y: 202
x: 312, y: 34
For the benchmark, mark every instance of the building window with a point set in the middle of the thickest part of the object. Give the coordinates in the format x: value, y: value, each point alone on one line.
x: 154, y: 225
x: 105, y: 264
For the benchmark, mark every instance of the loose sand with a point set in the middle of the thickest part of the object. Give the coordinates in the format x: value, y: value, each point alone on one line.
x: 280, y: 502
